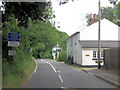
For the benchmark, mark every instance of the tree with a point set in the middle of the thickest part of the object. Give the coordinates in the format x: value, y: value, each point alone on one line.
x: 88, y: 19
x: 43, y: 37
x: 35, y: 30
x: 25, y: 10
x: 112, y: 14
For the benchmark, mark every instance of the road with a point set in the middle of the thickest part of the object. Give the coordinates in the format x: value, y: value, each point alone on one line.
x: 52, y: 74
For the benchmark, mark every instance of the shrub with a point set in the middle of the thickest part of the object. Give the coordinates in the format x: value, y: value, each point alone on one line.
x: 62, y: 56
x: 69, y: 60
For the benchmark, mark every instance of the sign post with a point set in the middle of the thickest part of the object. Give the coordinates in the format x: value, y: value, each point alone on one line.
x: 13, y: 41
x: 12, y: 52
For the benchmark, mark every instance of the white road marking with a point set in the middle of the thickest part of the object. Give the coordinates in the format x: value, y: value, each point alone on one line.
x: 60, y: 78
x: 63, y: 87
x: 41, y: 59
x: 35, y: 69
x: 59, y: 71
x: 52, y: 66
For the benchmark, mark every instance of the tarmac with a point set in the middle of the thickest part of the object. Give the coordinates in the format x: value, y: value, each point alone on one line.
x: 109, y: 76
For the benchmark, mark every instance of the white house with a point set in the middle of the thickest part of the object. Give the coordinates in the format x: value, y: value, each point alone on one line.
x: 83, y: 45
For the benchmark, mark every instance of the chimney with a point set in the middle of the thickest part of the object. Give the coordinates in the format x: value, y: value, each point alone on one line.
x: 93, y: 18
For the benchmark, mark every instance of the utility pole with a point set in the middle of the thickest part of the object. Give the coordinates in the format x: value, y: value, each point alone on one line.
x: 99, y: 34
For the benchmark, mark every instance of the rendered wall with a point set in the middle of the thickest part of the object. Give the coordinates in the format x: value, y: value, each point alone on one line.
x: 74, y: 49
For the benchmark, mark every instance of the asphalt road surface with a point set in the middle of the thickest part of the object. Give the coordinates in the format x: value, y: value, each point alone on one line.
x: 52, y: 74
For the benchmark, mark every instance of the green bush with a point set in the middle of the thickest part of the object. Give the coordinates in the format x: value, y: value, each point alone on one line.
x: 62, y: 56
x: 16, y: 73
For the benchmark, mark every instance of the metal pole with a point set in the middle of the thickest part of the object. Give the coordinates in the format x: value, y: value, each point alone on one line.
x: 99, y: 43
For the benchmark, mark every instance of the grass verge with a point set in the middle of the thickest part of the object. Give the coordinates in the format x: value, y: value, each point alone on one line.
x: 75, y: 66
x: 16, y: 74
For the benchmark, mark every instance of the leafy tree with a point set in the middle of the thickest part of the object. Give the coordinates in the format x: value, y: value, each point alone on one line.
x: 41, y: 37
x: 112, y: 14
x: 25, y: 10
x: 36, y: 32
x: 88, y: 19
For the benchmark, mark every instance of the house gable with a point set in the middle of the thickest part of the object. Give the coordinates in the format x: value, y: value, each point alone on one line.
x: 109, y: 31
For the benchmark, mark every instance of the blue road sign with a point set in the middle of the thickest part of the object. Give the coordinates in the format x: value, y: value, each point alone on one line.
x: 14, y: 37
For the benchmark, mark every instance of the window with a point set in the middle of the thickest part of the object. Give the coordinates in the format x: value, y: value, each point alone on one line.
x: 102, y: 54
x: 95, y: 55
x: 75, y: 39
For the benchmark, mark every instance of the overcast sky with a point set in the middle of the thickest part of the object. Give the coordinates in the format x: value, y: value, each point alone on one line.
x: 72, y: 14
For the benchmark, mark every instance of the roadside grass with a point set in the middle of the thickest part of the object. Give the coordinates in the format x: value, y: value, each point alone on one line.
x: 75, y: 66
x: 16, y: 74
x: 69, y: 63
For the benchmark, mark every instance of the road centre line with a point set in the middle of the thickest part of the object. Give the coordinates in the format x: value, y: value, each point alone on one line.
x: 55, y: 71
x: 51, y: 66
x: 60, y: 78
x: 63, y: 87
x: 59, y: 71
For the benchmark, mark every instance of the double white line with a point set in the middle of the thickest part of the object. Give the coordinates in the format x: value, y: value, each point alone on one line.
x: 55, y: 71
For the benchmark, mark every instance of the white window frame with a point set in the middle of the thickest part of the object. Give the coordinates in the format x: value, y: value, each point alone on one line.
x: 96, y: 56
x: 101, y: 54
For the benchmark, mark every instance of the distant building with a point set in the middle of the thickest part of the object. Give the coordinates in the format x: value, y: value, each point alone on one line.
x: 83, y: 45
x: 55, y: 51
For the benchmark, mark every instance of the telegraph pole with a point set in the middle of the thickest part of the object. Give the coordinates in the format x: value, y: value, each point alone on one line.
x: 99, y: 34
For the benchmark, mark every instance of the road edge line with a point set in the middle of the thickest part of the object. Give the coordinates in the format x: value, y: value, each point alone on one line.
x: 35, y: 69
x: 36, y: 64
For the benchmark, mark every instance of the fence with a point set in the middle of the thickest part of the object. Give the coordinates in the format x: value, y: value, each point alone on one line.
x: 112, y: 58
